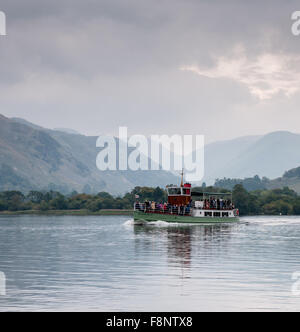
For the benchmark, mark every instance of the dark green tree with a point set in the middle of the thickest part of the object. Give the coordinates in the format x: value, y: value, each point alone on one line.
x: 241, y: 199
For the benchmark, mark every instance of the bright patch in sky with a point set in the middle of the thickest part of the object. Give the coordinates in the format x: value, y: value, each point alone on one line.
x: 265, y: 75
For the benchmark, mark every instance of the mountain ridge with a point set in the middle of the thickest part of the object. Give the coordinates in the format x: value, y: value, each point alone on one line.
x: 268, y: 155
x: 43, y: 158
x: 47, y: 159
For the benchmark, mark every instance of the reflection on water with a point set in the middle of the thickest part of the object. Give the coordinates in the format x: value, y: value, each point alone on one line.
x: 109, y: 264
x: 180, y: 239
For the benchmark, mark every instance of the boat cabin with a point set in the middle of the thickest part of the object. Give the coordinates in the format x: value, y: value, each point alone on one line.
x: 180, y: 195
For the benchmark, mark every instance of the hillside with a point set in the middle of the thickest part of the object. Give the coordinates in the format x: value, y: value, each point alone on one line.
x: 270, y: 156
x: 290, y: 179
x: 32, y: 157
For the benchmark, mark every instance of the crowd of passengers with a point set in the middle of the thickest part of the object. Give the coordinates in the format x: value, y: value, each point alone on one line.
x: 209, y: 204
x: 163, y: 208
x: 215, y: 204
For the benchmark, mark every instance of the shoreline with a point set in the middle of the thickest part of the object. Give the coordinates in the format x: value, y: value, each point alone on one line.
x: 69, y: 213
x: 104, y: 212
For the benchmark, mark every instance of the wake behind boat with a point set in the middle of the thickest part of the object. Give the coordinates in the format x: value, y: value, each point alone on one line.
x: 186, y: 206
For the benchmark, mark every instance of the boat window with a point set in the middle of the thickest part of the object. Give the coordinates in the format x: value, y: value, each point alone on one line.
x: 174, y: 191
x: 186, y: 191
x: 208, y: 214
x: 225, y: 214
x: 217, y: 214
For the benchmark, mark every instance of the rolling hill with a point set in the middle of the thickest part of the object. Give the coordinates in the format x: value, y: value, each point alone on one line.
x: 289, y: 179
x: 270, y: 155
x: 32, y: 157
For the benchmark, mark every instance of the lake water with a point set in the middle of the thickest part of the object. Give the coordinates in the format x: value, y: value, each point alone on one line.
x: 108, y: 264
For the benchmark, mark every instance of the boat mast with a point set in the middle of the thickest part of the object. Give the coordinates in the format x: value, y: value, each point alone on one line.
x: 182, y: 173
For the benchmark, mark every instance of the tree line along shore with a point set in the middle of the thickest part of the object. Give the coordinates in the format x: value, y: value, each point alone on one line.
x: 259, y: 202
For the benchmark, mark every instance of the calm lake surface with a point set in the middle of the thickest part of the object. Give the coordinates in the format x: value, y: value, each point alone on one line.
x: 108, y: 264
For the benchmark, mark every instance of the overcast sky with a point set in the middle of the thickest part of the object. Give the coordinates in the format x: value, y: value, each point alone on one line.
x: 222, y: 68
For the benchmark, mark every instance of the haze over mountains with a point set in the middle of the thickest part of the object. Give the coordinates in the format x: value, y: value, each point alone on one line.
x: 269, y: 155
x: 32, y: 157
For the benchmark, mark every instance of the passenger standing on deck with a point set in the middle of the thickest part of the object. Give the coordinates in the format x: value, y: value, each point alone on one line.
x: 181, y: 209
x: 147, y: 205
x: 229, y: 203
x: 188, y: 209
x: 165, y: 207
x: 153, y: 206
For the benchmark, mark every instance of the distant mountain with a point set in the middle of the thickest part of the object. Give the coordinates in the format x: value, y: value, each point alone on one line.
x: 32, y: 157
x: 25, y: 122
x: 250, y: 184
x: 289, y: 179
x: 270, y: 155
x: 67, y: 130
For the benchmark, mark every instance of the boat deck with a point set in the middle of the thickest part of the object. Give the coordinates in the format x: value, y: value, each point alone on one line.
x: 175, y: 218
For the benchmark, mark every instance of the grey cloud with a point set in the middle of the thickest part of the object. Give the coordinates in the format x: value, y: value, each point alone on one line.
x: 93, y: 65
x: 117, y: 37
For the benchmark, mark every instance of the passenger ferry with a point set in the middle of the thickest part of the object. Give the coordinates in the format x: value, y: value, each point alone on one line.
x: 186, y: 206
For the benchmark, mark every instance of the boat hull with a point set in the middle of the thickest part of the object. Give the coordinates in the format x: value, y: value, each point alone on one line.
x: 172, y: 218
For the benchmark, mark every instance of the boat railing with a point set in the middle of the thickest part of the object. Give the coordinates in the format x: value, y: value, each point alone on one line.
x: 181, y: 210
x: 163, y: 209
x: 224, y: 208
